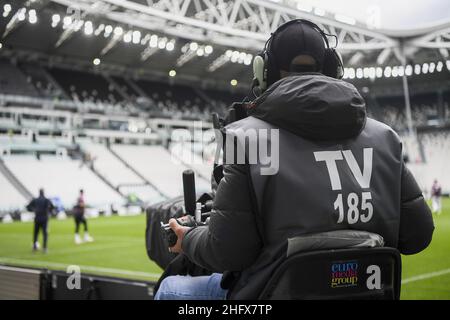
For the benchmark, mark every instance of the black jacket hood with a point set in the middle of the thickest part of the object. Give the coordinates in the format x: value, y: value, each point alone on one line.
x: 313, y: 106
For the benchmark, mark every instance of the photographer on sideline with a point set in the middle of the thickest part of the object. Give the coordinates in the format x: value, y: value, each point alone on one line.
x: 338, y: 170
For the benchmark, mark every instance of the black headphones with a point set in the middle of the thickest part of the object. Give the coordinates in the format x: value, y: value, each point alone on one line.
x: 264, y: 66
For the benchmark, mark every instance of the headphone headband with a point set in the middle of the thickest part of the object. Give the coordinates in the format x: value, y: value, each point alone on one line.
x: 288, y: 23
x: 264, y: 69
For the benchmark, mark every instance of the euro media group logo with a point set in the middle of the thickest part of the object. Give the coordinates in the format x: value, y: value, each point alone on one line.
x: 344, y: 274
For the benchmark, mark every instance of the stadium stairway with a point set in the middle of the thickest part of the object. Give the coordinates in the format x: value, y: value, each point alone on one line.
x: 136, y: 88
x: 101, y: 177
x: 90, y: 165
x: 52, y: 80
x: 203, y: 172
x: 374, y: 106
x: 203, y: 95
x: 15, y: 181
x: 121, y: 92
x: 164, y: 195
x: 421, y: 149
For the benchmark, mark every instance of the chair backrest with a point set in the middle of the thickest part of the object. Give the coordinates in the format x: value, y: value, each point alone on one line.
x: 358, y: 273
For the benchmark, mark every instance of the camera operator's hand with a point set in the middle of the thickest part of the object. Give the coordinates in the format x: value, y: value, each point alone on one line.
x: 180, y: 231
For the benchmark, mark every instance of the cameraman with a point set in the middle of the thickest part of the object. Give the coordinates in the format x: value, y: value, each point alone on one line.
x: 334, y: 164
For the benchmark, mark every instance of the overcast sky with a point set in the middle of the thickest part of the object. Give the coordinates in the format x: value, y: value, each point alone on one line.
x: 388, y: 14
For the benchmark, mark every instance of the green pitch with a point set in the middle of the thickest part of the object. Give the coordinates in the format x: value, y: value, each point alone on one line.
x: 119, y: 250
x: 427, y: 275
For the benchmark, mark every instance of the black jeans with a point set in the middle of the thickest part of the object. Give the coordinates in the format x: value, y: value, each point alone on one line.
x: 80, y: 219
x: 38, y: 225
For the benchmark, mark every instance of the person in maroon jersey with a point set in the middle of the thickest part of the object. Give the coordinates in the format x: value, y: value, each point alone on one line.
x: 436, y: 192
x: 78, y: 214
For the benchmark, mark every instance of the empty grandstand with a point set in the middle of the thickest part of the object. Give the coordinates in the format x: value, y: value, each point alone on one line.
x: 157, y: 166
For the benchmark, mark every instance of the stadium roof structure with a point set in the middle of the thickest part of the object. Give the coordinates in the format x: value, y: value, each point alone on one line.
x: 210, y: 41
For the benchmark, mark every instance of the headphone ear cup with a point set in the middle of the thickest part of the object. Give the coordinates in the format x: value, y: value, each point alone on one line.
x: 259, y: 72
x: 332, y: 64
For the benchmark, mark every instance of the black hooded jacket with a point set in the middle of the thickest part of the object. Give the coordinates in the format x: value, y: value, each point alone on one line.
x: 41, y: 206
x: 337, y: 169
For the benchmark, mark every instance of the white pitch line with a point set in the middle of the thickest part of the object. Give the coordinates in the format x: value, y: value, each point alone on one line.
x: 51, y: 264
x: 426, y: 276
x: 81, y: 249
x: 70, y: 236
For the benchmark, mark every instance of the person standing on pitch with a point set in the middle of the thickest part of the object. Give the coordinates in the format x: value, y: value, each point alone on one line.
x: 436, y: 192
x: 80, y: 219
x: 41, y: 206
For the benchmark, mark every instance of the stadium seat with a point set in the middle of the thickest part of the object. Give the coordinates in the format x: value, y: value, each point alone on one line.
x: 342, y: 274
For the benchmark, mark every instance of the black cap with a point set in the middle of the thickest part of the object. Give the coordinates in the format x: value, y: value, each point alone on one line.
x: 298, y: 38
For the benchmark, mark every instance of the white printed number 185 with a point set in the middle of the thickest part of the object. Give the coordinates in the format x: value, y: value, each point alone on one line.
x: 354, y: 213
